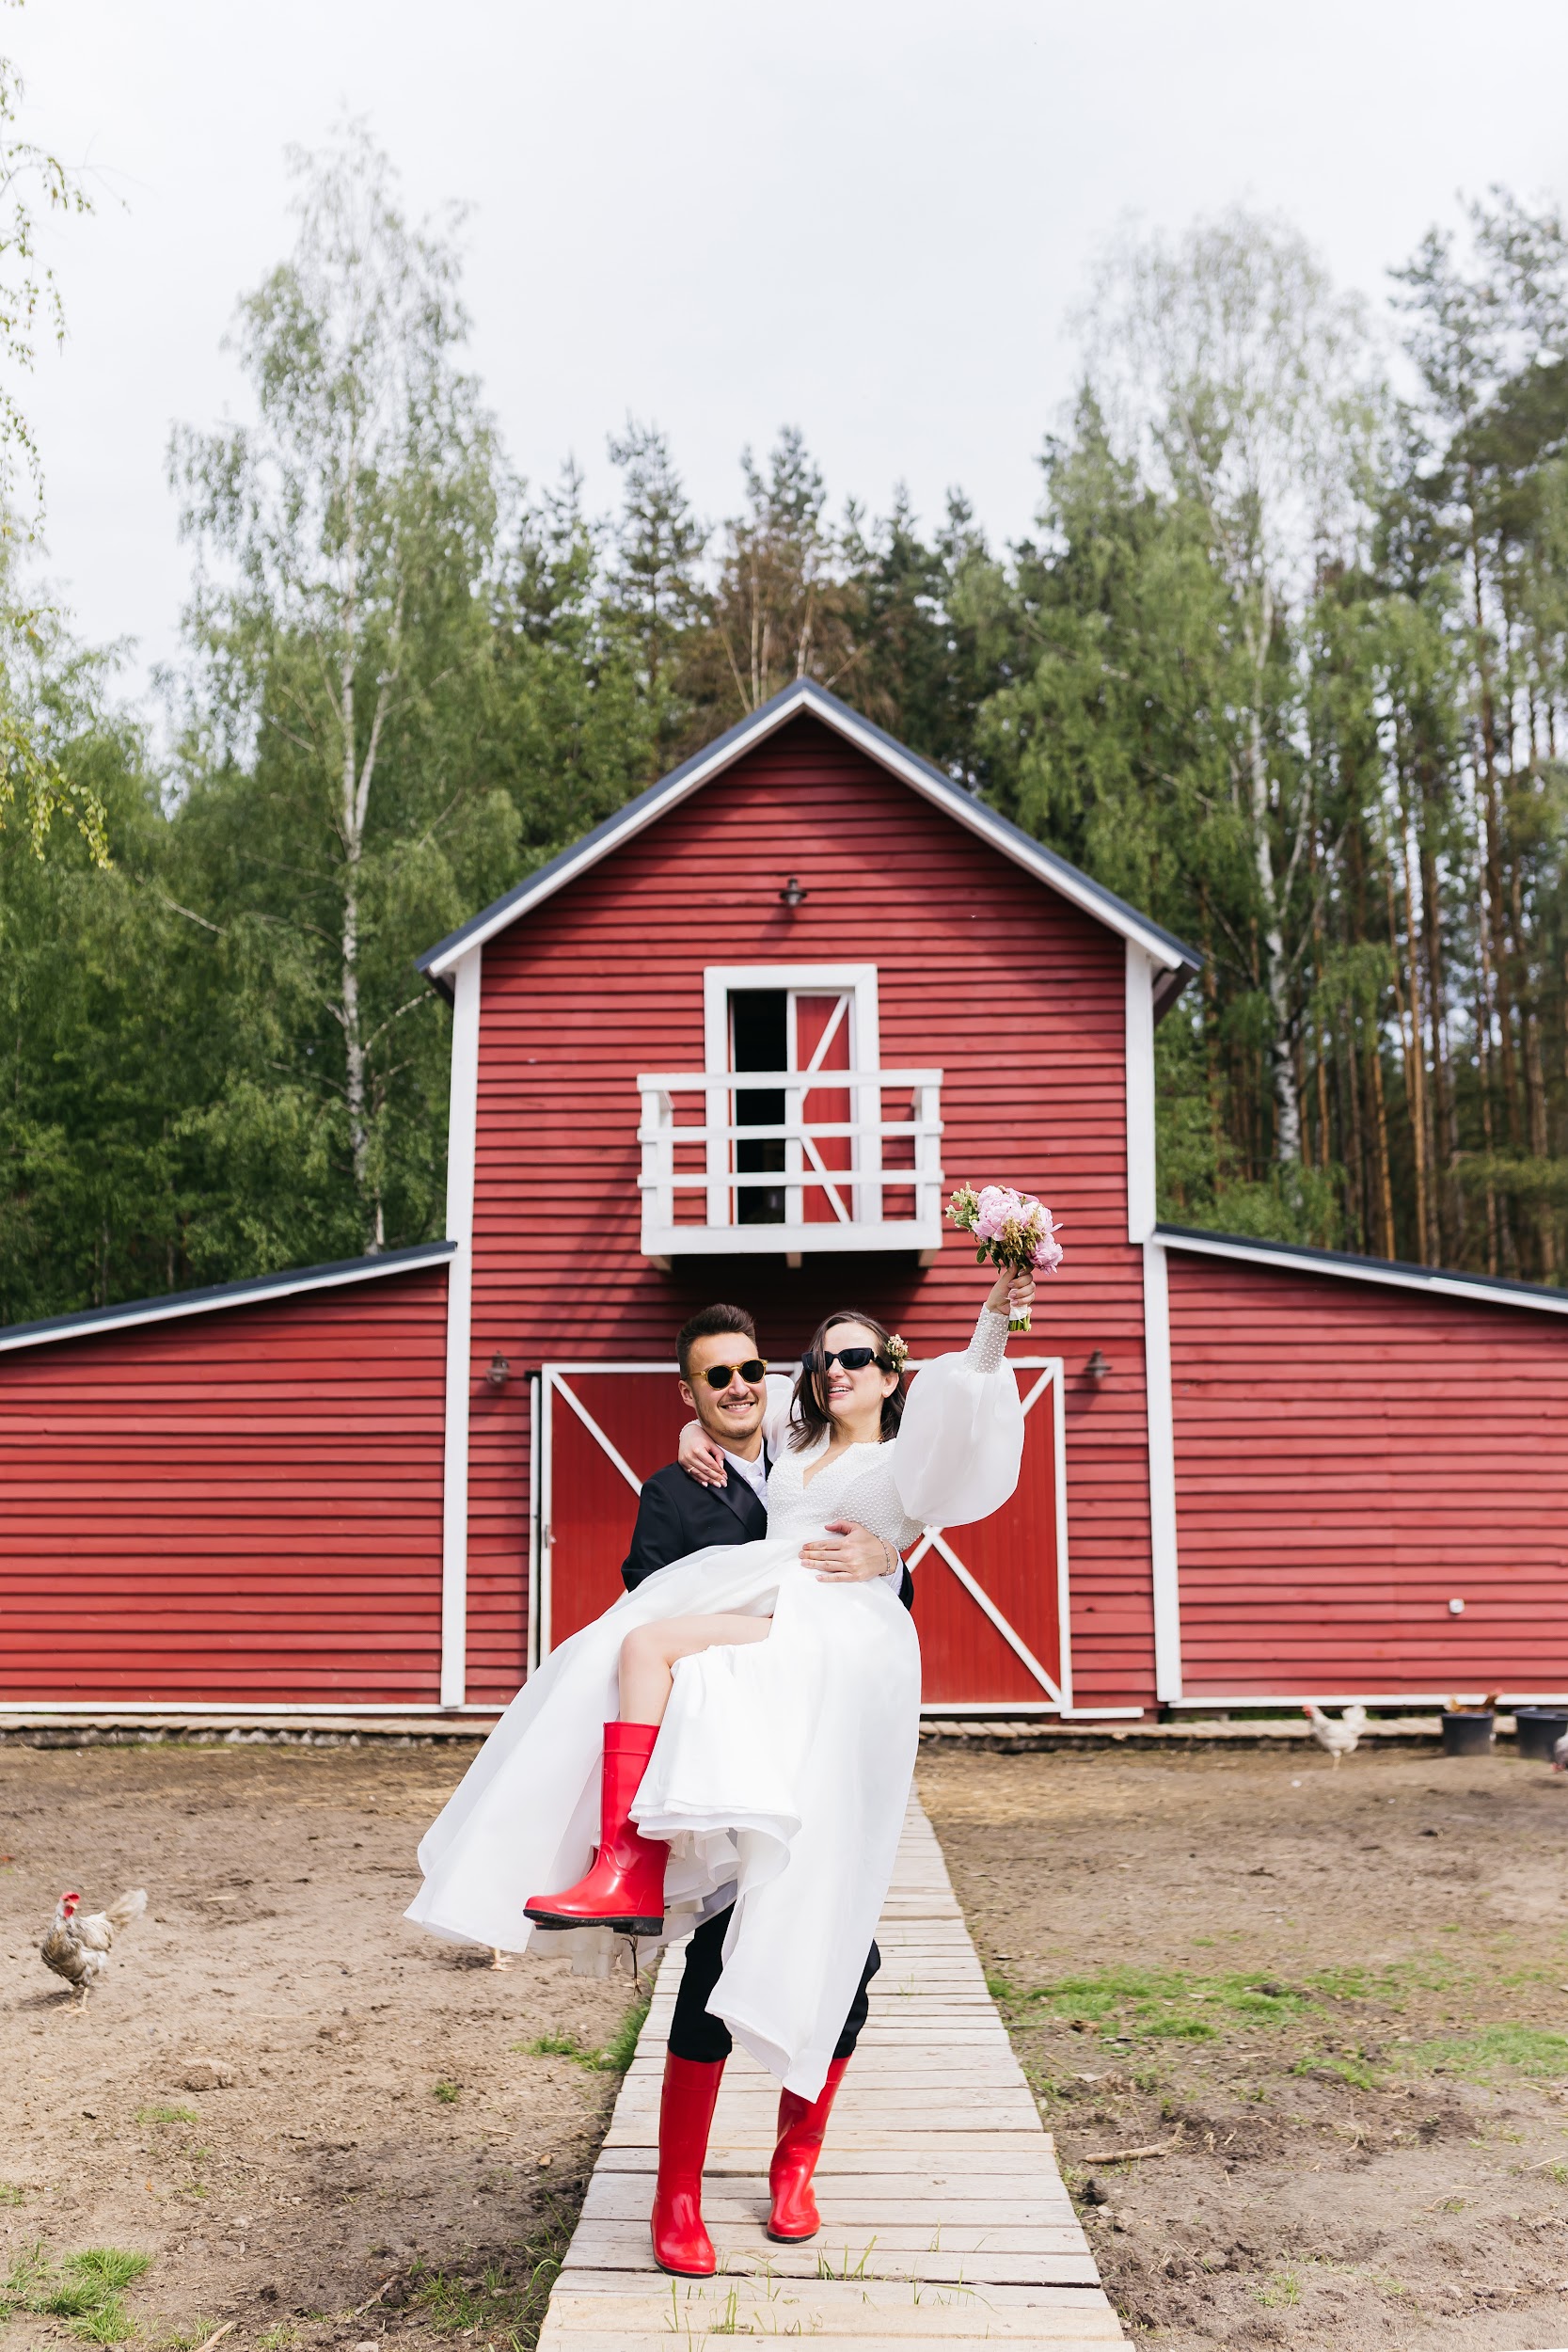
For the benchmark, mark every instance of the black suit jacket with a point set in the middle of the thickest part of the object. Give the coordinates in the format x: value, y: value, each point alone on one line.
x: 676, y: 1515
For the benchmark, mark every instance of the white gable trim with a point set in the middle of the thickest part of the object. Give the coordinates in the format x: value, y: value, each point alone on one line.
x: 94, y: 1321
x: 1056, y: 875
x: 1340, y: 1266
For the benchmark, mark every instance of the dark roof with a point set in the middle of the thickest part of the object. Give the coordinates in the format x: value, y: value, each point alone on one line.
x: 251, y: 1292
x: 1442, y: 1281
x: 804, y: 695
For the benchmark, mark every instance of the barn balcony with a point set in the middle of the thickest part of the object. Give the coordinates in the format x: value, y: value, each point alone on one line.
x: 791, y: 1162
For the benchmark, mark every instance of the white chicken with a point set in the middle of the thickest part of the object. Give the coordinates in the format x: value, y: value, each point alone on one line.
x: 77, y: 1946
x: 1337, y: 1739
x: 1560, y: 1753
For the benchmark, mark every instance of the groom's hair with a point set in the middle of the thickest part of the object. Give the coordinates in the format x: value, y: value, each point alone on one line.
x: 710, y: 1324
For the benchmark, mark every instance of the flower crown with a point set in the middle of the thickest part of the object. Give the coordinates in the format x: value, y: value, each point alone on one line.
x: 897, y: 1351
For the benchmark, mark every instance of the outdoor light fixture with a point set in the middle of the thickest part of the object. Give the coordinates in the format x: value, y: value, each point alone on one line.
x: 1097, y: 1368
x: 792, y: 893
x: 499, y: 1371
x: 1456, y: 1608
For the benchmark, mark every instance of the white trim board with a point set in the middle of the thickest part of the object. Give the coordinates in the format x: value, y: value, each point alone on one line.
x: 1340, y: 1266
x: 462, y: 1144
x: 804, y: 697
x: 1254, y: 1701
x: 220, y: 1301
x: 1163, y: 1526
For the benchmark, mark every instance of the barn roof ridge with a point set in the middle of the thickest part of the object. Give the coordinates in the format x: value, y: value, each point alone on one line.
x: 252, y: 1290
x: 1396, y: 1273
x: 805, y: 695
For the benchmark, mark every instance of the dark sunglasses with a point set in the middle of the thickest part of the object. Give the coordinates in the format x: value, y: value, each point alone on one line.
x: 751, y: 1371
x: 852, y: 1359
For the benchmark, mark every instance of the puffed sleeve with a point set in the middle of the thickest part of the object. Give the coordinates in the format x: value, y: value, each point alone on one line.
x: 775, y: 1419
x: 957, y: 1455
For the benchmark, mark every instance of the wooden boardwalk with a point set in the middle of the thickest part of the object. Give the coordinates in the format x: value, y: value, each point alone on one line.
x: 944, y: 2217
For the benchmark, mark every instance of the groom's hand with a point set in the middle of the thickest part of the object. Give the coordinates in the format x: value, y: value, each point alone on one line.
x: 848, y: 1554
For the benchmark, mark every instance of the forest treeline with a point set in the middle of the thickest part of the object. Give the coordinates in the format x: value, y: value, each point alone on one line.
x: 1282, y: 662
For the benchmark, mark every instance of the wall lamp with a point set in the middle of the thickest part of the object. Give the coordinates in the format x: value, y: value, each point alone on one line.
x: 793, y: 893
x: 499, y: 1371
x: 1097, y: 1369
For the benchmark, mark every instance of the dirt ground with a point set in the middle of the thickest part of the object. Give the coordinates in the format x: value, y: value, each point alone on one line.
x: 1338, y: 1998
x: 384, y: 2117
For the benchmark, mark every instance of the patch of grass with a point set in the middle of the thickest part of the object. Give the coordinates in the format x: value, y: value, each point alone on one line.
x: 621, y: 2048
x: 1283, y: 2288
x: 1353, y: 2069
x: 552, y: 2045
x: 1526, y: 2049
x: 449, y: 2093
x: 505, y: 2305
x: 168, y: 2115
x: 185, y: 2339
x: 10, y: 2194
x: 614, y: 2059
x: 87, y: 2289
x: 279, y: 2336
x: 1166, y: 2003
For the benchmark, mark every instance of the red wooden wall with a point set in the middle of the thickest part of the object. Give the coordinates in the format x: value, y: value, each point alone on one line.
x: 1350, y: 1458
x: 242, y: 1505
x: 983, y: 972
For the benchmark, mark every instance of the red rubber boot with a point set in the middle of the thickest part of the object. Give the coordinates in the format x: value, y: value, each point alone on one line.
x: 625, y: 1886
x: 681, y: 2244
x: 801, y: 2125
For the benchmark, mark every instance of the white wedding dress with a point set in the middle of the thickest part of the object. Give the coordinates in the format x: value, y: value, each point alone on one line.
x: 783, y: 1767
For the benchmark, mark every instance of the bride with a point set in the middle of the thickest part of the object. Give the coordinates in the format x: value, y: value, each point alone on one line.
x: 766, y: 1714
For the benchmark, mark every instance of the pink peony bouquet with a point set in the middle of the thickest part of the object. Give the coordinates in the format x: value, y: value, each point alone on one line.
x: 1014, y: 1230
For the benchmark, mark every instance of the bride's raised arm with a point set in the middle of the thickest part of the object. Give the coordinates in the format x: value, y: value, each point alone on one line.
x: 957, y: 1455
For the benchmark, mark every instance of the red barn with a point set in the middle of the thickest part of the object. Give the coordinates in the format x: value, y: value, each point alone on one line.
x: 740, y: 1041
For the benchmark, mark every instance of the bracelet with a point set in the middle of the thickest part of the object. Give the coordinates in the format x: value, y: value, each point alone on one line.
x: 889, y: 1552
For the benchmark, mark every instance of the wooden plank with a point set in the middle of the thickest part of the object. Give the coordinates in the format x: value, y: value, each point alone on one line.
x: 945, y: 2218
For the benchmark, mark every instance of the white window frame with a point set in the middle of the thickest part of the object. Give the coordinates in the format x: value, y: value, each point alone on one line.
x: 858, y: 982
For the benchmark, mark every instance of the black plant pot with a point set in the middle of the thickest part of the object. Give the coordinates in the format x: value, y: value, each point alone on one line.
x: 1540, y: 1728
x: 1469, y: 1733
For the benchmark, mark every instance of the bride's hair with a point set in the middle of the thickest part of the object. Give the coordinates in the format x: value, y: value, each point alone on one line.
x: 808, y: 1413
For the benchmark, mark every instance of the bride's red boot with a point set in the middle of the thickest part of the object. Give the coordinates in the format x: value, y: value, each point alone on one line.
x: 681, y: 2244
x: 801, y: 2125
x: 625, y: 1886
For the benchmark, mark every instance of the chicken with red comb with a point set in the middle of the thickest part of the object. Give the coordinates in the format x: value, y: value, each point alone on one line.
x: 77, y: 1946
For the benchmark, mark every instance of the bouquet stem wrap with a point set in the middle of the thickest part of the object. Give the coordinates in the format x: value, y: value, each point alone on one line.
x: 1013, y: 1230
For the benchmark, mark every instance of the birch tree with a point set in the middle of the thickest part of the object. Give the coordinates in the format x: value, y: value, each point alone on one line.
x: 343, y: 541
x: 1250, y: 381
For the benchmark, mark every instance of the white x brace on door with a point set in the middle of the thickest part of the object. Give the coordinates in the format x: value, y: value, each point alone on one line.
x: 992, y: 1616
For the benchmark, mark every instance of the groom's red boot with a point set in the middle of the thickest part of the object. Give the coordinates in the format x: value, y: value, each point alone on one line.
x: 801, y: 2125
x: 625, y: 1886
x: 681, y: 2243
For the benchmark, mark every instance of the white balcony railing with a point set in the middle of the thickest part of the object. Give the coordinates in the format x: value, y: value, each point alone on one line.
x: 715, y: 1182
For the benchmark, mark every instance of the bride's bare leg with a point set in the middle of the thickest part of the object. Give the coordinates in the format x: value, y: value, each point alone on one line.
x: 648, y: 1656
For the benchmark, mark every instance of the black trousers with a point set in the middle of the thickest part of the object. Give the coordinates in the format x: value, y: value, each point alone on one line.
x: 695, y: 2034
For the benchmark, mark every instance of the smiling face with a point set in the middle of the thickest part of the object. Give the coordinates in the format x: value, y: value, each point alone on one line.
x: 731, y: 1415
x: 854, y: 1396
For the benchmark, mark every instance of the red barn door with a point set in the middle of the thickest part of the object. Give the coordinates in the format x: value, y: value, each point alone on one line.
x: 991, y: 1602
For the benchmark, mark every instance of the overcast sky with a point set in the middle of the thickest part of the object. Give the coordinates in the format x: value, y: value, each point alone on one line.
x: 869, y: 217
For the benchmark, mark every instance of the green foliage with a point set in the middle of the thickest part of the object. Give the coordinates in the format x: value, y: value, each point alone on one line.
x: 449, y: 2093
x: 1284, y: 662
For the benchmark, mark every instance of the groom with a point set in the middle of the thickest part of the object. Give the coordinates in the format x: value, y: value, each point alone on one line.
x: 724, y: 1382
